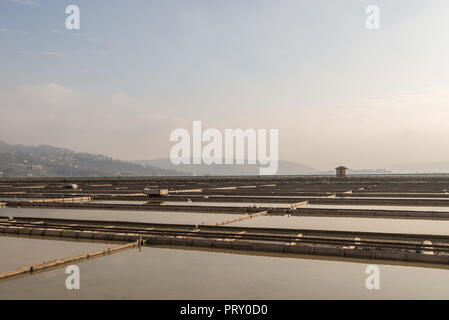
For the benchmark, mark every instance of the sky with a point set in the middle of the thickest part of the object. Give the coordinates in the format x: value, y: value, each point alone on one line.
x: 338, y: 92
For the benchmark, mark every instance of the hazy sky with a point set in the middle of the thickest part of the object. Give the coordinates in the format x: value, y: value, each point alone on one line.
x: 337, y: 92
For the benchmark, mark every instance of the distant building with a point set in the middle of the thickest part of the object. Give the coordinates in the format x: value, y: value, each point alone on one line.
x: 341, y: 171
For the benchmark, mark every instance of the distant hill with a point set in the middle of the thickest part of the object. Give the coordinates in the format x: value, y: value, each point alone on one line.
x: 49, y: 161
x: 431, y: 167
x: 361, y: 171
x: 284, y: 168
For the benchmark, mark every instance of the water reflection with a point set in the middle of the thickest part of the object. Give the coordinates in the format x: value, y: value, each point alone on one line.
x: 117, y: 215
x: 171, y: 273
x: 19, y: 252
x: 349, y: 224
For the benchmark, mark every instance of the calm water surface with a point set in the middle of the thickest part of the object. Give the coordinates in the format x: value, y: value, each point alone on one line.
x: 199, y: 203
x: 173, y: 273
x: 378, y: 207
x: 117, y: 215
x: 16, y: 252
x: 349, y: 224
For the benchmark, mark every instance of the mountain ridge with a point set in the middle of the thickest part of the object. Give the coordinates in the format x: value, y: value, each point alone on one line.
x: 284, y: 168
x: 49, y: 161
x: 44, y: 160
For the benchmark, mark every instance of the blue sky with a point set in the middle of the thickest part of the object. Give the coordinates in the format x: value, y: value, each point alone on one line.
x: 336, y: 91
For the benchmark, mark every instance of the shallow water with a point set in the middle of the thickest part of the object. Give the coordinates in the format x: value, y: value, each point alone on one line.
x: 15, y: 199
x: 19, y: 252
x: 172, y: 273
x: 392, y: 198
x: 199, y: 203
x: 117, y: 215
x: 227, y: 204
x: 349, y: 224
x: 377, y: 207
x: 296, y: 222
x: 118, y: 202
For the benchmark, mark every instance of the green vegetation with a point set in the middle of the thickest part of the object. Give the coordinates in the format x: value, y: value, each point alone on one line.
x: 48, y: 161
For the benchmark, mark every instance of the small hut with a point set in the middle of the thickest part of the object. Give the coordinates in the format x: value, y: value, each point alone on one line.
x: 341, y: 171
